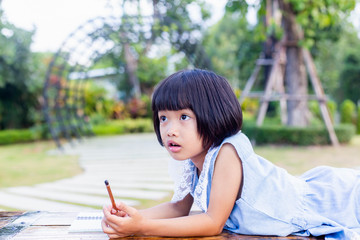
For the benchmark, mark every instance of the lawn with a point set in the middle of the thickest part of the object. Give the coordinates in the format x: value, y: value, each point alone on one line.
x: 29, y: 163
x: 297, y: 160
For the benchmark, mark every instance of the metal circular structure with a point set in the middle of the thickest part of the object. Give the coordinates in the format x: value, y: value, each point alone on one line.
x: 70, y: 68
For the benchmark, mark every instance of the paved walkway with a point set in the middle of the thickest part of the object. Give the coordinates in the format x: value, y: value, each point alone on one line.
x: 135, y: 165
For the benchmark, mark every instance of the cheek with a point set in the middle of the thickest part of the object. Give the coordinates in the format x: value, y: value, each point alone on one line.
x: 162, y: 132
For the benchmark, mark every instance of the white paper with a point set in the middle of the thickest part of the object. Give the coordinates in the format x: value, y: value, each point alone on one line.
x: 87, y: 222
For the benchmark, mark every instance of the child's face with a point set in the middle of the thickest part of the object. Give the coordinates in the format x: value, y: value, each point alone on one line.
x: 179, y: 135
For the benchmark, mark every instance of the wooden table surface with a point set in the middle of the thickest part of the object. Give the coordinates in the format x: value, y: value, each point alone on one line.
x: 55, y: 225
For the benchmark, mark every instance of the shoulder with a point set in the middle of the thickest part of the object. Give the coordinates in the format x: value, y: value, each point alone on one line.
x: 238, y: 138
x: 241, y: 145
x: 227, y: 150
x: 227, y: 157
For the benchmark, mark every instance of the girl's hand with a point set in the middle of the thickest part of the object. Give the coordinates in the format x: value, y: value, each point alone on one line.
x: 124, y: 222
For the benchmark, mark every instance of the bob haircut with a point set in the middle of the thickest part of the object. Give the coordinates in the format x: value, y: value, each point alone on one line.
x: 208, y: 95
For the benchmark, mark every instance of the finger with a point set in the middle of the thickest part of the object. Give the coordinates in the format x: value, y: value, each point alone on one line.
x: 121, y: 214
x: 109, y: 210
x: 118, y: 213
x: 106, y: 228
x: 112, y: 236
x: 113, y: 221
x: 106, y: 211
x: 127, y: 209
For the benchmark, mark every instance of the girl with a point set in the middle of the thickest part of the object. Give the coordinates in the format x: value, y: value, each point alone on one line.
x: 197, y: 118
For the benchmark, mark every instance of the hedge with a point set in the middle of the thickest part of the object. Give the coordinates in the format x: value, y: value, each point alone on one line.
x: 266, y: 134
x: 17, y: 136
x: 123, y: 126
x: 313, y: 135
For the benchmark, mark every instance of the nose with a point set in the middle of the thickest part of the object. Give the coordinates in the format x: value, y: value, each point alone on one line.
x: 172, y: 130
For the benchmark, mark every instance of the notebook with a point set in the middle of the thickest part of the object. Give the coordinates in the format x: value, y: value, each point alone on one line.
x: 87, y: 222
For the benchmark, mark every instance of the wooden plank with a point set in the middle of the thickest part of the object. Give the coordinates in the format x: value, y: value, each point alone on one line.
x: 8, y: 217
x: 264, y: 61
x: 55, y: 225
x: 41, y: 233
x: 268, y: 90
x: 17, y: 224
x: 280, y: 96
x: 320, y: 93
x: 249, y: 84
x: 55, y: 232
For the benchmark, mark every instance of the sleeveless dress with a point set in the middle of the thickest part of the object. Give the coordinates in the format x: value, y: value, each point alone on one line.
x: 323, y: 201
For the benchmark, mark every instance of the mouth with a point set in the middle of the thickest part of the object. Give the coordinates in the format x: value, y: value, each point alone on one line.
x: 173, y: 146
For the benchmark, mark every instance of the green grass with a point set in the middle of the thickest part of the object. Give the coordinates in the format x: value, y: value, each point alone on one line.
x: 297, y: 160
x: 28, y: 163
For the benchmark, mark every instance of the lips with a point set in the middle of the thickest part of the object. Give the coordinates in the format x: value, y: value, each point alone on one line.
x: 173, y: 146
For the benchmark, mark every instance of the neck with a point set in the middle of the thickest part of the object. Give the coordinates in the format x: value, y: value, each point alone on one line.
x: 199, y: 160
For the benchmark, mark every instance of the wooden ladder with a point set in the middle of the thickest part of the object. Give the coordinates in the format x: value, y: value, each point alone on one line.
x: 275, y: 90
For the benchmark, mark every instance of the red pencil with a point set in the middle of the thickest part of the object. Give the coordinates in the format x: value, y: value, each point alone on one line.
x: 111, y: 195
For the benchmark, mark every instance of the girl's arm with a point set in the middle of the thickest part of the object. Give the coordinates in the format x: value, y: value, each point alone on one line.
x: 224, y: 191
x: 169, y: 209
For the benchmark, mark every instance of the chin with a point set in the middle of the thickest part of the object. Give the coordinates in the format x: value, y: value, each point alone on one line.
x: 177, y: 158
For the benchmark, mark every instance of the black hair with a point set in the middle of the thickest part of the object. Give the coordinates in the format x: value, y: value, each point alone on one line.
x: 208, y: 95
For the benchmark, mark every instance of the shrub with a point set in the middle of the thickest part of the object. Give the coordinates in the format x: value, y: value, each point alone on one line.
x: 97, y: 100
x: 347, y: 111
x: 358, y: 120
x: 313, y: 135
x: 124, y: 126
x: 17, y: 135
x: 315, y: 109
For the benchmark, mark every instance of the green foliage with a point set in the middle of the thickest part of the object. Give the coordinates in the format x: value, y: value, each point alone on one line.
x: 151, y: 71
x: 16, y: 136
x: 21, y: 75
x: 358, y: 120
x: 232, y: 48
x: 250, y: 106
x: 347, y: 112
x: 333, y: 38
x: 313, y: 135
x: 312, y: 16
x: 315, y: 109
x: 143, y: 48
x: 97, y: 100
x: 318, y: 15
x: 101, y: 126
x: 115, y: 127
x: 350, y: 77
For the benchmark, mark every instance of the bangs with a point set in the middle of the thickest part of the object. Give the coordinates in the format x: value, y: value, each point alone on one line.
x: 173, y: 97
x: 208, y: 95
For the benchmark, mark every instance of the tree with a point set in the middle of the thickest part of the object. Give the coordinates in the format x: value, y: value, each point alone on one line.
x: 141, y: 37
x: 232, y: 48
x: 300, y: 19
x: 350, y: 78
x: 20, y: 80
x: 334, y: 66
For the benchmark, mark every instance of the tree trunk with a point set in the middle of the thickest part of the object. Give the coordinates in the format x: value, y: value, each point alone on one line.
x: 295, y: 71
x: 130, y: 68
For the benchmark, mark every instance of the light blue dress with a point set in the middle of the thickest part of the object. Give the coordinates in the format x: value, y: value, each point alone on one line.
x: 323, y: 201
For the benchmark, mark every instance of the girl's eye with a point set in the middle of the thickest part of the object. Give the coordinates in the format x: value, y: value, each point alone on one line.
x: 184, y: 117
x: 162, y: 119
